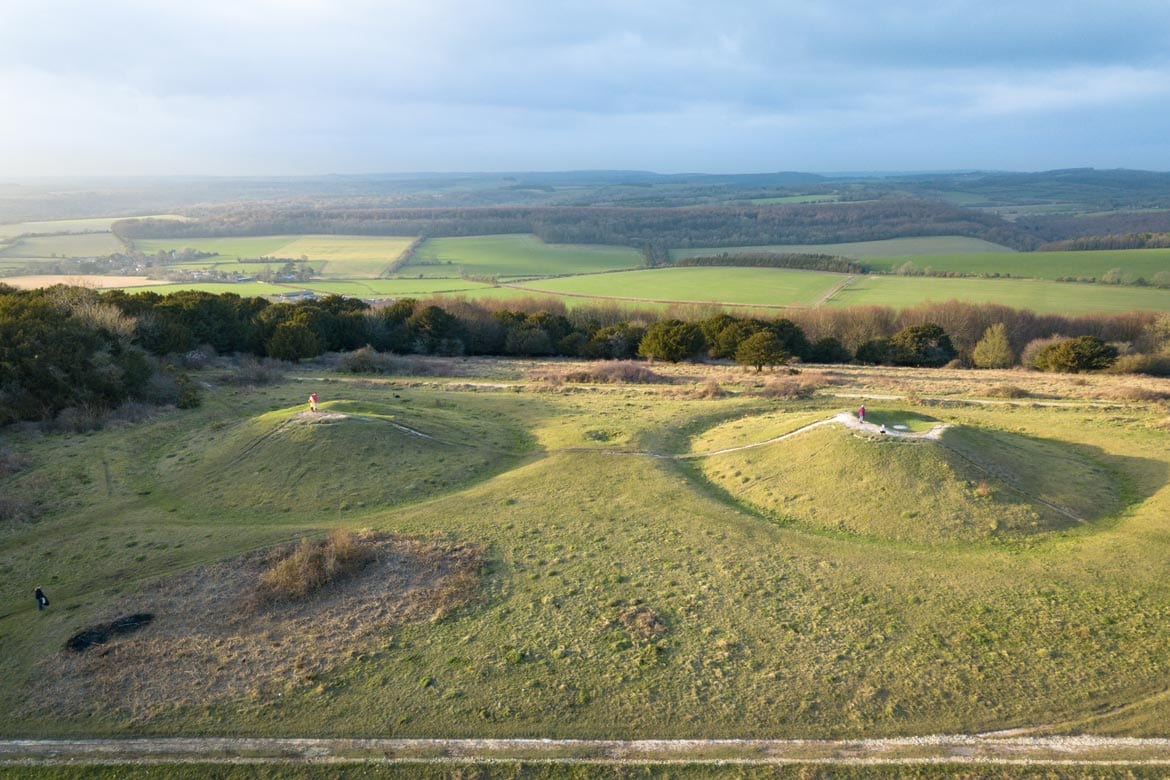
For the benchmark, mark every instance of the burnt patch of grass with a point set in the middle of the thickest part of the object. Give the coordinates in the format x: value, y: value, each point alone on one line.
x: 104, y: 632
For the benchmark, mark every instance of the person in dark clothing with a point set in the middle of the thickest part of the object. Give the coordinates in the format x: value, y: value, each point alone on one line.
x: 42, y: 599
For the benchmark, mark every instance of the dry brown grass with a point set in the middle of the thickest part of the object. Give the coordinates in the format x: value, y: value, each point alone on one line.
x: 206, y: 644
x: 1006, y: 391
x: 1135, y: 391
x: 314, y: 563
x: 642, y: 623
x: 601, y: 372
x: 804, y: 385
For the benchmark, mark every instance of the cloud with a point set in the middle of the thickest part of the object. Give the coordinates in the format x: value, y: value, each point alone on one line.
x: 254, y: 86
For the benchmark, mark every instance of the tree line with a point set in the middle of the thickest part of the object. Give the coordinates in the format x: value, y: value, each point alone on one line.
x: 64, y: 347
x: 677, y: 227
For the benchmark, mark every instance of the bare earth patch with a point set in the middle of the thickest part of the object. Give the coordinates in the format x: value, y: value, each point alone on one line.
x: 210, y: 640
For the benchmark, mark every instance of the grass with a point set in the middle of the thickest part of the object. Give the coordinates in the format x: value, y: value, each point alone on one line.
x: 968, y: 486
x: 228, y: 248
x: 350, y: 265
x: 1039, y: 296
x: 65, y: 245
x: 745, y: 286
x: 867, y: 250
x: 336, y: 257
x: 62, y: 226
x: 537, y: 769
x: 624, y: 593
x: 1133, y: 263
x: 516, y: 255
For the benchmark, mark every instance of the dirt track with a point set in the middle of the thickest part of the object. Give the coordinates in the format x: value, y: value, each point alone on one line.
x: 944, y: 749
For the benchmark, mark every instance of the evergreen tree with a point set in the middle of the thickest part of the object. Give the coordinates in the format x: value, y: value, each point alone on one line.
x: 760, y: 349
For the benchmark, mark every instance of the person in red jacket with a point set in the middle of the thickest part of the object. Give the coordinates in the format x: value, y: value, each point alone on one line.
x: 313, y: 402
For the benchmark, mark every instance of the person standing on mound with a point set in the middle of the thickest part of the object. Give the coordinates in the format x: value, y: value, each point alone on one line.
x: 313, y: 402
x: 861, y: 413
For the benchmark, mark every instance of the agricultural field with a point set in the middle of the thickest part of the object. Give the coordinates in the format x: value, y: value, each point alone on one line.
x: 866, y: 250
x: 65, y: 245
x: 561, y: 559
x: 333, y: 257
x: 1130, y: 263
x: 66, y: 226
x: 516, y: 256
x: 1037, y: 295
x: 526, y: 267
x: 741, y: 286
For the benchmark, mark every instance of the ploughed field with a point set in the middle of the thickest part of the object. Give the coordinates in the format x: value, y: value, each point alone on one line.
x: 535, y: 551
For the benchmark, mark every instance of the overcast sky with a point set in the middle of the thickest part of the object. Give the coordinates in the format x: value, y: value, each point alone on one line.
x: 246, y: 87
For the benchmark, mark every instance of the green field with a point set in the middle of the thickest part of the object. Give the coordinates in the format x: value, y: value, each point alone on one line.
x: 516, y: 256
x: 62, y: 226
x: 744, y: 286
x: 227, y: 248
x: 352, y: 265
x: 1132, y: 263
x: 65, y: 245
x: 865, y: 250
x: 1037, y: 295
x: 623, y: 593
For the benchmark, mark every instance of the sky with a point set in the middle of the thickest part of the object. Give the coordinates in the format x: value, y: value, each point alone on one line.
x: 305, y: 87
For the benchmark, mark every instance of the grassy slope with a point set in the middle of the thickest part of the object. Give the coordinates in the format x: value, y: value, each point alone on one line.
x: 971, y: 485
x: 770, y: 631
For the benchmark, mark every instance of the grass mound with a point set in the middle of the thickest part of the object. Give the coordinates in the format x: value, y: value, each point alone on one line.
x: 346, y: 457
x: 965, y: 485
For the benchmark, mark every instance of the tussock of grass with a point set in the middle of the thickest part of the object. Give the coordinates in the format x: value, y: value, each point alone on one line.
x: 804, y: 385
x: 315, y: 563
x: 711, y: 389
x: 642, y: 622
x: 1134, y: 392
x: 1006, y: 391
x: 616, y: 372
